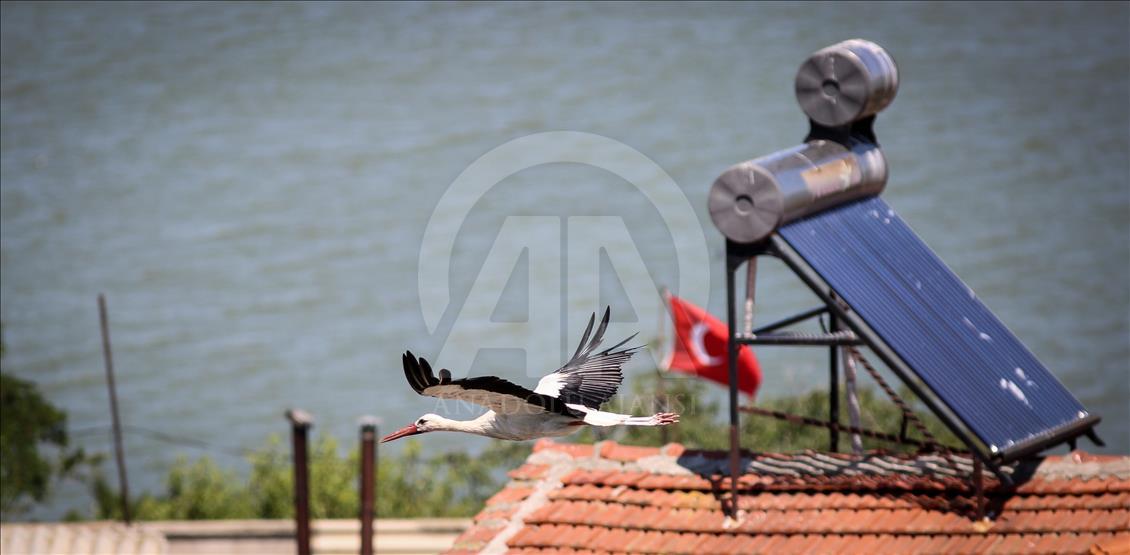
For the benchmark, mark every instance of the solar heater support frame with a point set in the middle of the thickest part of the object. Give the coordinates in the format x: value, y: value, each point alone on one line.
x: 738, y: 253
x: 794, y: 319
x: 778, y: 248
x: 801, y: 340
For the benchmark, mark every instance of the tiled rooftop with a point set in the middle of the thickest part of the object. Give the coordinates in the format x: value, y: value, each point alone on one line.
x: 615, y: 498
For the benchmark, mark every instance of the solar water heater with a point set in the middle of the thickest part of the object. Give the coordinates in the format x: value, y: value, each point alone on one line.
x: 817, y: 207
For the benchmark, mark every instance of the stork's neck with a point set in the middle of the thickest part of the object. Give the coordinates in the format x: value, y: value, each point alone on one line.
x: 478, y: 426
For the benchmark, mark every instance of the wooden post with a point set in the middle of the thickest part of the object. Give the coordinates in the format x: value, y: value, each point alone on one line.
x: 368, y: 479
x: 300, y: 423
x: 119, y: 450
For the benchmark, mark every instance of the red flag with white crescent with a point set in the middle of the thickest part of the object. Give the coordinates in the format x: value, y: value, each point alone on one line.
x: 700, y: 348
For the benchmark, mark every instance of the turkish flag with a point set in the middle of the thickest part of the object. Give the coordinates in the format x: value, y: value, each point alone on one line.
x: 700, y: 348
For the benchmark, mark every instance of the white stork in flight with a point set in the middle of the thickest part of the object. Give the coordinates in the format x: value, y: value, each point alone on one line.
x: 562, y: 402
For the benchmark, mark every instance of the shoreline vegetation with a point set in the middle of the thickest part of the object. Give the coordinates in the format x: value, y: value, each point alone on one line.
x: 455, y: 483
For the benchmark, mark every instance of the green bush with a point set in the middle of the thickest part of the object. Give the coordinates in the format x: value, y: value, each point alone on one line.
x: 408, y: 485
x: 34, y: 450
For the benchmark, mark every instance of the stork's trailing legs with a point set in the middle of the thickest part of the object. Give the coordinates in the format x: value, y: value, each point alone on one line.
x: 601, y: 418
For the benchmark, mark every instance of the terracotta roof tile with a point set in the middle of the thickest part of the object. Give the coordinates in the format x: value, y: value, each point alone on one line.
x: 475, y: 537
x: 698, y: 539
x: 586, y: 492
x: 1073, y: 543
x: 511, y: 494
x: 695, y: 500
x: 609, y: 539
x: 624, y: 478
x: 738, y: 543
x: 529, y: 471
x: 673, y: 450
x: 524, y: 537
x: 955, y: 543
x: 577, y: 512
x: 639, y: 541
x: 575, y: 450
x: 580, y: 536
x: 631, y: 496
x: 673, y: 519
x: 580, y: 477
x: 551, y: 535
x: 1115, y: 485
x: 660, y: 481
x: 625, y: 453
x: 496, y: 513
x: 711, y: 544
x: 542, y: 514
x: 677, y: 542
x: 1119, y: 543
x: 610, y: 515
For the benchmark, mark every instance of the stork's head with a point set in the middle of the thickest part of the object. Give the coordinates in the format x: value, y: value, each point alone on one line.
x: 427, y: 423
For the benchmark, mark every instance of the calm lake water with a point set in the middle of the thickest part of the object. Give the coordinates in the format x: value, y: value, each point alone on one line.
x: 250, y: 184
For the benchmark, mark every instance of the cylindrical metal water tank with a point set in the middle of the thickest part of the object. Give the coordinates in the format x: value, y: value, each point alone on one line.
x: 750, y: 200
x: 846, y: 82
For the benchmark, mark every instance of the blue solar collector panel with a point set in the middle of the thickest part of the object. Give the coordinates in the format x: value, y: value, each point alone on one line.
x: 933, y: 322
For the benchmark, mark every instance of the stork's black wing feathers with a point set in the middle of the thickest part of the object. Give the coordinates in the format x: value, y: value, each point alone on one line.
x: 590, y: 378
x: 498, y: 394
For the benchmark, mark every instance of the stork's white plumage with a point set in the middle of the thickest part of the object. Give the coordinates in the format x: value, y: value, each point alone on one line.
x: 563, y: 401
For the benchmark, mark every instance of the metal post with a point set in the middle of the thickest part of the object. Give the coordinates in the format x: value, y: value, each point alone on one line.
x: 852, y: 401
x: 979, y: 486
x: 750, y: 287
x: 368, y: 478
x: 833, y: 387
x: 732, y: 263
x: 732, y: 363
x: 300, y: 422
x: 119, y: 451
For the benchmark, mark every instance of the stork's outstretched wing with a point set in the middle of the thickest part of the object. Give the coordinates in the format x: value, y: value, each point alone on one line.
x: 497, y: 394
x: 589, y: 379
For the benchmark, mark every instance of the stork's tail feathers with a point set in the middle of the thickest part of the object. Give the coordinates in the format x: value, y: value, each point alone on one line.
x: 661, y: 419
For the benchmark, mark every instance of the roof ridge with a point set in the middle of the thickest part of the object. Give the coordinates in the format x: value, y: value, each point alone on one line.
x: 672, y: 458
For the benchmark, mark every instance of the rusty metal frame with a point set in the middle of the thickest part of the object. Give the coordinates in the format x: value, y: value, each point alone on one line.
x: 738, y: 254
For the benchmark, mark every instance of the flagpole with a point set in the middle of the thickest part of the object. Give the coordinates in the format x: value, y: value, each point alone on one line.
x: 661, y: 387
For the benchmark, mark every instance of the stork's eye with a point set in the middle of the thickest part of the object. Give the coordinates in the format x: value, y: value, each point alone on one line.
x: 421, y: 422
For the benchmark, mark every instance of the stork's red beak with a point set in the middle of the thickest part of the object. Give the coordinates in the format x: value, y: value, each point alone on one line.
x: 408, y: 430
